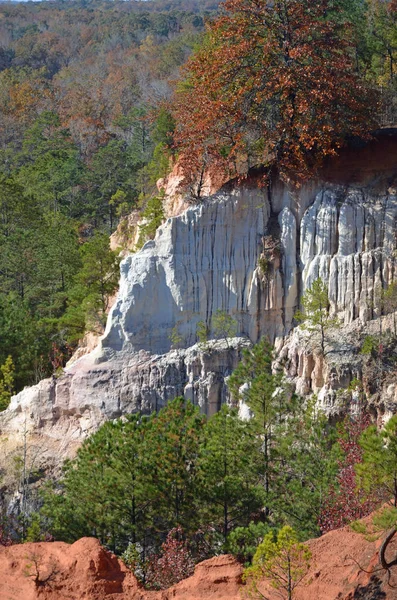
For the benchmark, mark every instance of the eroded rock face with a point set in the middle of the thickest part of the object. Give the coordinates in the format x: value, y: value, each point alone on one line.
x: 349, y: 239
x: 68, y: 409
x: 200, y: 262
x: 207, y: 260
x: 215, y: 256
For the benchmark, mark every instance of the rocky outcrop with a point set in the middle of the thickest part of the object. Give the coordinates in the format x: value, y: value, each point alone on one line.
x: 249, y: 253
x: 207, y: 260
x: 343, y: 565
x: 348, y: 238
x: 66, y: 410
x: 200, y: 262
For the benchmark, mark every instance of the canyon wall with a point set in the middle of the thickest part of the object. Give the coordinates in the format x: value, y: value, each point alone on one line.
x: 250, y: 252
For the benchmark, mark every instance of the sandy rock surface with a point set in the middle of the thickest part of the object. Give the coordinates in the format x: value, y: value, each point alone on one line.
x: 84, y: 570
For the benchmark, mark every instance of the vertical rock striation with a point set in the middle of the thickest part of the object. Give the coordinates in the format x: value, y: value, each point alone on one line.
x: 200, y: 262
x: 240, y: 253
x: 349, y: 240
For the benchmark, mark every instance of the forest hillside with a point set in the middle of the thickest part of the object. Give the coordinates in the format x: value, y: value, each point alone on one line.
x: 198, y: 296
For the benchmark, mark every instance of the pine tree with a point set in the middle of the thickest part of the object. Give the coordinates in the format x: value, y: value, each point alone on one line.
x: 6, y: 382
x: 134, y: 498
x: 94, y: 284
x: 378, y: 469
x: 298, y: 465
x: 316, y: 316
x: 306, y: 464
x: 284, y: 562
x: 254, y: 383
x: 173, y: 442
x: 230, y: 471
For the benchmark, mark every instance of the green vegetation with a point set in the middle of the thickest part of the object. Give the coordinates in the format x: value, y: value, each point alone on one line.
x: 283, y: 561
x: 170, y: 489
x: 6, y: 382
x: 80, y: 147
x: 378, y: 469
x: 89, y: 127
x: 87, y: 130
x: 316, y: 315
x: 298, y: 463
x: 225, y: 482
x: 153, y: 216
x: 223, y: 326
x: 231, y: 471
x: 94, y: 284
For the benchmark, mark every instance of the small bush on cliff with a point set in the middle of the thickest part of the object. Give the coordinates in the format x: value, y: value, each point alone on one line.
x: 223, y: 325
x: 7, y: 371
x: 370, y: 345
x: 316, y: 315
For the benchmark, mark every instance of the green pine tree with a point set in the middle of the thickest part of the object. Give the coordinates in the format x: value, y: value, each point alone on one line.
x: 298, y: 462
x: 7, y: 371
x: 173, y: 441
x: 316, y: 316
x: 378, y: 468
x: 94, y: 284
x: 230, y: 471
x: 264, y: 392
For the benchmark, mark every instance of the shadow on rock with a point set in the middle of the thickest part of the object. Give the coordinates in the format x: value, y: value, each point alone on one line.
x: 372, y: 591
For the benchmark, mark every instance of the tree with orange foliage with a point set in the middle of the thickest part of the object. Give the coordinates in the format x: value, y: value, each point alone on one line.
x: 274, y: 84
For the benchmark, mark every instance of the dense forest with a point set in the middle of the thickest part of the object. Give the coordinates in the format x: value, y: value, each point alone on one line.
x: 79, y: 147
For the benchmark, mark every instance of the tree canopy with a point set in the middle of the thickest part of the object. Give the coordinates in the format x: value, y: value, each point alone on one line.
x: 80, y: 147
x: 274, y: 84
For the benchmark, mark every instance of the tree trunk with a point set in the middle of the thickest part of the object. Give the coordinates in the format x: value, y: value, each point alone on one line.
x: 382, y: 552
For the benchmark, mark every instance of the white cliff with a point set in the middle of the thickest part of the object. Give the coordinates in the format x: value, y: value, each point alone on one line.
x: 208, y: 259
x: 349, y: 239
x: 200, y: 262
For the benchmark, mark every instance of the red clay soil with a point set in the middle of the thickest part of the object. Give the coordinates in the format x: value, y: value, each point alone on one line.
x: 84, y: 570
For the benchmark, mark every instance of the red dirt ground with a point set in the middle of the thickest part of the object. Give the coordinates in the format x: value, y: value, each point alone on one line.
x: 85, y: 571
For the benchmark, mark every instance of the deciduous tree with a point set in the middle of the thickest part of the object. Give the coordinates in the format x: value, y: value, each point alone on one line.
x: 345, y: 500
x: 273, y: 84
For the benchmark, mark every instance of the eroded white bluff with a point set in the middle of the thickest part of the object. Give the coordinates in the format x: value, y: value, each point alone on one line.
x: 200, y: 262
x: 206, y: 260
